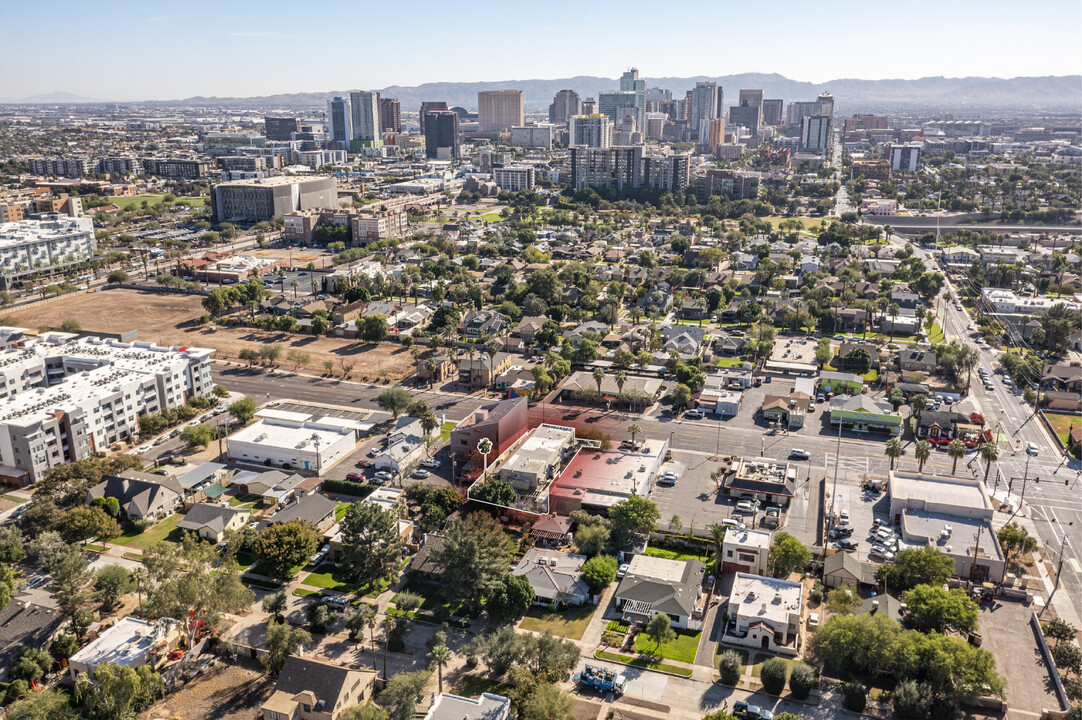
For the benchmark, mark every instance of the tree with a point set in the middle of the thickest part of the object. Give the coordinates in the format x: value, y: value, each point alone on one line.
x: 112, y: 582
x: 924, y: 565
x: 371, y: 544
x: 510, y: 599
x: 118, y: 691
x: 282, y: 547
x: 298, y: 358
x: 270, y: 354
x: 31, y: 664
x: 787, y: 554
x: 659, y: 629
x: 956, y: 451
x: 542, y: 700
x: 632, y: 516
x: 1068, y: 658
x: 599, y: 572
x: 842, y: 600
x: 440, y: 656
x: 11, y: 545
x: 81, y: 523
x: 401, y: 693
x: 681, y: 396
x: 774, y: 673
x: 922, y: 452
x: 854, y: 696
x: 70, y: 326
x: 243, y: 410
x: 633, y: 430
x: 275, y: 605
x: 320, y: 325
x: 474, y: 558
x: 989, y: 455
x: 802, y: 680
x: 896, y: 398
x: 731, y: 667
x: 321, y: 616
x: 494, y: 490
x: 591, y: 540
x: 1060, y: 630
x: 365, y: 712
x: 282, y: 641
x: 49, y: 704
x: 893, y: 450
x: 934, y: 609
x: 249, y: 355
x: 1015, y: 541
x: 117, y: 276
x: 394, y: 400
x: 197, y: 436
x: 374, y: 328
x: 918, y: 404
x: 599, y: 377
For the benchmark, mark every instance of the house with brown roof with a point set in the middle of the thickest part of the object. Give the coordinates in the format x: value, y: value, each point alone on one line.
x: 309, y: 689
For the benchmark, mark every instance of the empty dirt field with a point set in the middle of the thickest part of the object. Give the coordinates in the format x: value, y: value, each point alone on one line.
x: 225, y: 692
x: 116, y: 311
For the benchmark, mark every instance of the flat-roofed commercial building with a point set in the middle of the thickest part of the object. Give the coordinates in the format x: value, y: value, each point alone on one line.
x: 256, y: 200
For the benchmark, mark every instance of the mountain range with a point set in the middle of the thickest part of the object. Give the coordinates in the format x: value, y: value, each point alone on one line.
x: 851, y: 95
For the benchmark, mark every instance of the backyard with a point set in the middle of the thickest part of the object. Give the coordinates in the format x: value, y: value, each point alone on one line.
x: 570, y: 623
x: 166, y: 531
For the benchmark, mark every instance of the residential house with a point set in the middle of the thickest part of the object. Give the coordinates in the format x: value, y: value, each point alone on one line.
x: 905, y: 298
x: 863, y: 413
x: 551, y: 530
x: 24, y: 623
x: 905, y: 322
x: 580, y: 386
x: 655, y: 585
x: 528, y: 327
x: 789, y: 410
x: 343, y: 313
x: 745, y: 551
x: 884, y: 604
x: 686, y: 340
x: 729, y: 345
x: 316, y: 509
x: 1062, y: 377
x: 483, y: 322
x: 843, y: 568
x: 131, y: 642
x: 917, y: 360
x: 945, y: 425
x: 764, y: 613
x: 421, y: 568
x: 480, y: 371
x: 212, y: 521
x: 274, y: 486
x: 309, y: 689
x: 139, y: 500
x: 202, y: 476
x: 555, y: 576
x: 693, y: 309
x: 405, y: 446
x: 436, y: 369
x: 840, y: 383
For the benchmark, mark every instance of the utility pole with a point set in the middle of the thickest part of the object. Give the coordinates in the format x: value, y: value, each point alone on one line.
x: 1059, y: 572
x: 976, y: 551
x: 837, y: 464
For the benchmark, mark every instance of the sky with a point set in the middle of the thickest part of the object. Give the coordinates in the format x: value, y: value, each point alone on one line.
x: 152, y: 50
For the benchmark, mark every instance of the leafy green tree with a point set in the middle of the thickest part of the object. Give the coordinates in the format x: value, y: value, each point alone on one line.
x: 591, y: 540
x: 934, y: 609
x: 197, y: 436
x: 924, y: 565
x: 371, y: 544
x: 72, y: 587
x: 284, y: 546
x: 842, y: 600
x: 511, y: 599
x: 31, y: 664
x: 299, y: 358
x: 475, y: 556
x: 787, y: 554
x: 374, y: 328
x: 774, y: 673
x: 599, y: 572
x: 282, y: 641
x: 320, y: 325
x: 659, y: 629
x: 394, y: 400
x: 912, y: 700
x: 731, y: 667
x: 681, y: 396
x: 1068, y: 658
x: 400, y: 695
x: 49, y: 704
x: 118, y: 691
x: 494, y: 490
x: 802, y: 680
x: 11, y: 545
x: 1015, y: 541
x: 112, y: 582
x: 546, y: 701
x: 1060, y: 630
x: 243, y: 410
x: 117, y: 276
x: 275, y: 605
x: 634, y: 515
x: 320, y: 616
x: 854, y: 696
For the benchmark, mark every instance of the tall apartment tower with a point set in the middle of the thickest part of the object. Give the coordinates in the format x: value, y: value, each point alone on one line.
x: 704, y: 106
x: 500, y: 110
x: 826, y: 104
x: 750, y: 97
x: 441, y: 135
x: 390, y: 115
x: 593, y: 130
x: 772, y: 114
x: 750, y: 116
x: 428, y: 107
x: 815, y: 135
x: 339, y: 122
x: 364, y: 108
x: 630, y: 82
x: 566, y: 105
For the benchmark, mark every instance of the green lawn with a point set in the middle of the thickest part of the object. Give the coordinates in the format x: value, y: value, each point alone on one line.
x: 642, y: 662
x: 488, y: 217
x: 757, y: 667
x: 570, y: 623
x: 723, y: 648
x: 726, y: 362
x: 95, y: 548
x: 445, y: 431
x: 262, y: 584
x: 133, y: 556
x: 15, y: 498
x: 474, y: 685
x: 166, y: 530
x: 247, y: 500
x: 325, y: 576
x: 436, y: 604
x: 304, y: 592
x: 670, y: 554
x: 809, y: 223
x: 936, y: 336
x: 1062, y: 424
x: 340, y: 511
x: 682, y: 648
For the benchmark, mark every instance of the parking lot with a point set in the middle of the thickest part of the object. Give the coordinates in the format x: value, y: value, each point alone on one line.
x: 1007, y: 634
x: 864, y: 508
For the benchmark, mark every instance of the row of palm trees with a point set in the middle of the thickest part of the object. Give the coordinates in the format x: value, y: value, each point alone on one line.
x: 989, y: 453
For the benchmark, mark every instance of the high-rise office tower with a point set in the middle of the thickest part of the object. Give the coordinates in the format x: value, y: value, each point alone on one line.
x: 441, y: 135
x: 721, y: 103
x: 589, y: 106
x: 716, y: 134
x: 390, y: 115
x: 614, y: 104
x: 364, y: 108
x: 430, y: 106
x: 750, y: 116
x: 751, y: 97
x: 594, y: 130
x: 797, y: 111
x: 339, y: 122
x: 565, y: 106
x: 500, y: 110
x: 281, y: 128
x: 772, y: 114
x: 630, y: 82
x: 704, y: 105
x: 655, y: 126
x: 815, y: 135
x: 826, y: 103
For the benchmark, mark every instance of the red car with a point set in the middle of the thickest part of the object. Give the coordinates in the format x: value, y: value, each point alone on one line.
x: 354, y: 477
x: 364, y: 463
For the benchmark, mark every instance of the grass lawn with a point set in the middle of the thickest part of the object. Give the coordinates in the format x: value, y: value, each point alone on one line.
x: 304, y: 592
x: 641, y: 662
x: 570, y: 623
x: 808, y: 223
x: 438, y: 605
x: 166, y: 530
x: 248, y: 500
x: 870, y: 376
x: 726, y: 362
x: 1060, y: 423
x: 661, y: 552
x: 325, y: 577
x: 936, y: 336
x: 757, y: 667
x: 445, y: 431
x: 682, y: 648
x: 133, y: 556
x: 15, y: 498
x: 340, y: 511
x: 489, y: 217
x: 723, y: 648
x: 473, y: 685
x: 95, y: 548
x: 262, y: 584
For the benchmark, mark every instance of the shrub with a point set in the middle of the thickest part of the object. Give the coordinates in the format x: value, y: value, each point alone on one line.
x: 138, y: 526
x: 855, y: 696
x: 802, y: 680
x: 911, y: 700
x: 774, y: 674
x: 346, y: 487
x: 731, y: 667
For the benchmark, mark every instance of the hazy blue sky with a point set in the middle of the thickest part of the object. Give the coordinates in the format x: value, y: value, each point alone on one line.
x: 148, y: 49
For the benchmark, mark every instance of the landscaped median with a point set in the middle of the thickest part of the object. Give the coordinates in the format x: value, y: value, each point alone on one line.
x: 643, y: 662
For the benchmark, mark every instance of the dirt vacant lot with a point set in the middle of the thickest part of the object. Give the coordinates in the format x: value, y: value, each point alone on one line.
x: 225, y: 692
x: 116, y: 311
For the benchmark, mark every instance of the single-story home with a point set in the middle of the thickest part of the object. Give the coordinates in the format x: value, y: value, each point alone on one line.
x: 212, y: 521
x: 555, y: 576
x: 655, y: 585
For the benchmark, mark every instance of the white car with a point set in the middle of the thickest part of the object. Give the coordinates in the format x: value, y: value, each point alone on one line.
x: 419, y: 474
x: 813, y: 620
x: 623, y: 570
x: 1031, y: 448
x: 430, y: 463
x: 144, y: 448
x: 745, y: 506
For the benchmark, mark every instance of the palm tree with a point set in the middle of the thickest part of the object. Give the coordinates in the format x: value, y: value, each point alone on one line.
x: 893, y: 309
x: 294, y: 284
x: 918, y: 404
x: 634, y: 430
x: 599, y: 376
x: 441, y: 656
x: 717, y: 534
x: 389, y: 624
x: 967, y: 360
x: 893, y: 450
x: 491, y: 348
x: 922, y: 453
x: 989, y: 454
x: 429, y: 422
x: 956, y: 451
x: 621, y: 380
x: 372, y: 633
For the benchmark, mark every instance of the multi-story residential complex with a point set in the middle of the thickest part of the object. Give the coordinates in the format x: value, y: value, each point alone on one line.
x: 316, y: 159
x: 816, y: 135
x: 250, y: 163
x: 431, y: 106
x: 736, y: 184
x: 364, y: 107
x: 262, y: 199
x: 532, y: 136
x: 565, y: 106
x: 390, y: 115
x: 715, y: 133
x: 613, y: 168
x: 339, y: 122
x: 379, y: 225
x: 13, y: 211
x: 514, y: 179
x: 120, y: 166
x: 65, y: 398
x: 500, y: 110
x: 905, y: 157
x: 441, y: 135
x: 630, y: 82
x: 594, y: 130
x: 655, y: 125
x: 27, y: 246
x: 280, y: 128
x: 227, y: 143
x: 181, y: 168
x: 589, y: 106
x: 62, y: 167
x: 666, y: 172
x: 749, y: 116
x: 772, y: 112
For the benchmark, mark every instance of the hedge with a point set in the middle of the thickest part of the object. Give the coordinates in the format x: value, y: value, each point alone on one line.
x: 347, y: 487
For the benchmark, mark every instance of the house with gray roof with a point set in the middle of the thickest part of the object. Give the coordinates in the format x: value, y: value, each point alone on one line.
x: 139, y: 499
x: 655, y: 585
x: 556, y: 577
x: 25, y: 624
x: 316, y: 509
x: 210, y: 521
x: 309, y: 689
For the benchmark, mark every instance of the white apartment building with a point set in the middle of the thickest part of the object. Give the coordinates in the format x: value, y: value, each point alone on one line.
x: 63, y: 398
x: 532, y: 136
x: 595, y: 130
x: 54, y: 241
x: 65, y: 167
x: 515, y: 178
x: 1000, y: 301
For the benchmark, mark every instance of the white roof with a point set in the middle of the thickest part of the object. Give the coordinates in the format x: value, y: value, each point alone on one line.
x: 663, y: 569
x: 765, y: 598
x: 125, y: 643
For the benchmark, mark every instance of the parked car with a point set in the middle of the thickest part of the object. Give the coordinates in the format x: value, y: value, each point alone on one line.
x: 622, y: 571
x: 419, y: 474
x: 846, y: 544
x: 813, y: 620
x: 745, y: 506
x: 878, y: 551
x: 694, y: 414
x: 382, y: 477
x: 799, y: 454
x: 733, y: 523
x: 840, y: 531
x: 668, y: 479
x: 364, y: 463
x: 430, y: 463
x: 355, y: 477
